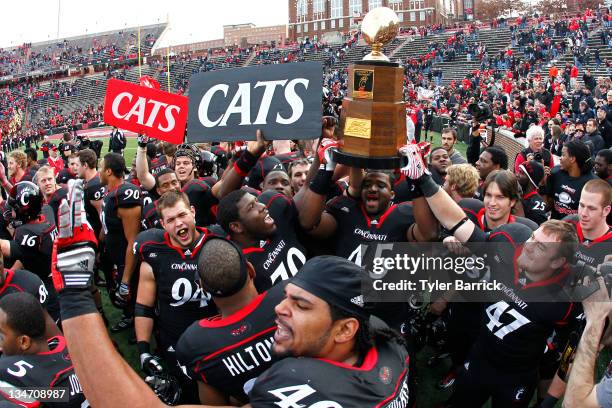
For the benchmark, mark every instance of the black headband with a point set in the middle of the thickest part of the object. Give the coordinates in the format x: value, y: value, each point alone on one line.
x: 238, y: 285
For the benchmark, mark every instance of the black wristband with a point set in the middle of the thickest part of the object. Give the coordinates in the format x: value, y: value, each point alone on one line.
x: 143, y: 347
x: 141, y: 310
x: 427, y: 185
x: 321, y: 182
x: 246, y: 162
x: 75, y: 303
x: 459, y: 224
x: 549, y: 401
x: 414, y: 191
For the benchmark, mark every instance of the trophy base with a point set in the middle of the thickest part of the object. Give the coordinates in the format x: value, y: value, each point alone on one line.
x: 380, y: 63
x: 367, y: 162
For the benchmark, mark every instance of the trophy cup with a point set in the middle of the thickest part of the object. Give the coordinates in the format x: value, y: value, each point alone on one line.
x: 373, y: 115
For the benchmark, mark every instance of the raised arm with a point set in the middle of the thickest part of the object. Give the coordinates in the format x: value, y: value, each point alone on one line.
x: 233, y: 176
x: 116, y: 385
x: 444, y: 208
x: 146, y: 179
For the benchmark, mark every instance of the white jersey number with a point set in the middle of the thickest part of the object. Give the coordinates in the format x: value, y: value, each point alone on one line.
x: 495, y: 312
x: 290, y: 397
x: 182, y: 291
x: 293, y: 255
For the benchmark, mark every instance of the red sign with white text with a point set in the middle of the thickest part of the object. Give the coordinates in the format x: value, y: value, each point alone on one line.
x: 149, y: 111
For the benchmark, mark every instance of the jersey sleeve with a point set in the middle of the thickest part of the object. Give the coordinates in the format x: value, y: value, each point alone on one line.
x: 34, y: 286
x: 129, y: 196
x: 95, y: 192
x: 338, y: 206
x: 268, y: 388
x: 279, y: 205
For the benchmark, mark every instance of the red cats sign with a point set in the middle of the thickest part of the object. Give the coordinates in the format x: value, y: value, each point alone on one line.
x: 157, y: 114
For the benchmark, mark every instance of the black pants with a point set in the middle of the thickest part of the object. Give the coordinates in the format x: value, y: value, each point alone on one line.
x: 478, y: 381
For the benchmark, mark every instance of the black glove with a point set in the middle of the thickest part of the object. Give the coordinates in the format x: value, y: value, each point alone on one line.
x: 74, y: 256
x: 143, y: 140
x: 121, y: 296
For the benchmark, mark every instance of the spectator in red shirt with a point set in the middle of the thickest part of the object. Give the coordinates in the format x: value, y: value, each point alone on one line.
x: 55, y: 161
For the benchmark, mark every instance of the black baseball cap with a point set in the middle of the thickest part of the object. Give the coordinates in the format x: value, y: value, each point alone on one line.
x: 336, y: 280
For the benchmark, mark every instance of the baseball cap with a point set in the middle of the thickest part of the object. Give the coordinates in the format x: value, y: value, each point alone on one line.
x: 54, y: 148
x: 336, y: 280
x: 534, y: 171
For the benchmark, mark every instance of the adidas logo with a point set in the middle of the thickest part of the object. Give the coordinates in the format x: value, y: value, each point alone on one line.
x: 188, y: 252
x: 357, y: 300
x: 346, y: 210
x: 153, y: 255
x: 170, y: 349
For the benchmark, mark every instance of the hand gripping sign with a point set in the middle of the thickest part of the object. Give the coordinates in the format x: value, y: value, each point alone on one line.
x: 141, y: 109
x: 283, y: 100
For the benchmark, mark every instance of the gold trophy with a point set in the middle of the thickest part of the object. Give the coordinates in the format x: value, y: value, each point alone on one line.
x: 373, y: 116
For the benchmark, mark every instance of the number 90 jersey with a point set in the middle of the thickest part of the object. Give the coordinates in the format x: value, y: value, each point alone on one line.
x: 180, y: 299
x: 125, y: 196
x: 280, y: 256
x: 48, y: 371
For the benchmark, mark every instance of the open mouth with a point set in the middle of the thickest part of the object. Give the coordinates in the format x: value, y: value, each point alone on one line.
x: 182, y: 233
x: 282, y: 333
x: 269, y: 221
x: 371, y: 199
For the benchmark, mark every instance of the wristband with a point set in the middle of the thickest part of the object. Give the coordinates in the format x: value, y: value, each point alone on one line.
x: 245, y: 163
x: 74, y: 303
x: 427, y: 185
x: 143, y: 347
x: 141, y: 310
x: 321, y: 182
x: 549, y: 401
x: 414, y: 190
x: 459, y: 224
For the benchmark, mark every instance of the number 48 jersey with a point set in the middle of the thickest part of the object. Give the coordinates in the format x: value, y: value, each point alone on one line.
x: 51, y: 370
x: 180, y: 299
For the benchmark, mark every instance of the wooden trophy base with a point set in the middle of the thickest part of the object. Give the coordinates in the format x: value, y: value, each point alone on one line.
x: 373, y: 116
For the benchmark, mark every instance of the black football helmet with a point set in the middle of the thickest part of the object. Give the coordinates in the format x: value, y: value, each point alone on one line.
x: 25, y: 200
x: 207, y: 165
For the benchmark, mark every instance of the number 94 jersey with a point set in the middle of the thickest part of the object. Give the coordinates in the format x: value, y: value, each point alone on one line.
x: 180, y: 299
x: 47, y: 371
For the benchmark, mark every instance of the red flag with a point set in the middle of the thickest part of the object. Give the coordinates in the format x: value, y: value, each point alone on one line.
x: 556, y: 104
x: 149, y: 82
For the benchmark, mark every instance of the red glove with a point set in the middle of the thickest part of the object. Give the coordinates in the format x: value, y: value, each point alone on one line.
x: 326, y: 147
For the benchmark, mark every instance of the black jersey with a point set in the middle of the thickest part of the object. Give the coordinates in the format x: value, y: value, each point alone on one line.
x: 180, y: 299
x: 55, y: 200
x: 534, y: 207
x: 281, y: 255
x: 229, y: 353
x: 515, y: 329
x: 33, y: 244
x: 94, y: 191
x: 591, y: 252
x: 126, y: 195
x: 21, y: 280
x: 356, y: 228
x: 150, y: 217
x: 52, y: 369
x: 201, y: 198
x: 380, y: 381
x: 429, y: 113
x: 475, y: 210
x: 565, y: 192
x: 4, y: 223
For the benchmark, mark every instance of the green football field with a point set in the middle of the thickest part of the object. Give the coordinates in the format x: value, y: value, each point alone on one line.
x: 428, y: 395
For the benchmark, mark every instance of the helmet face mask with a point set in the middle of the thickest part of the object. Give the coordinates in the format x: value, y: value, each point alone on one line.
x: 24, y: 203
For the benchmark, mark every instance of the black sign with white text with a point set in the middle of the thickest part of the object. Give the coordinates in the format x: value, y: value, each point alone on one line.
x: 283, y: 100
